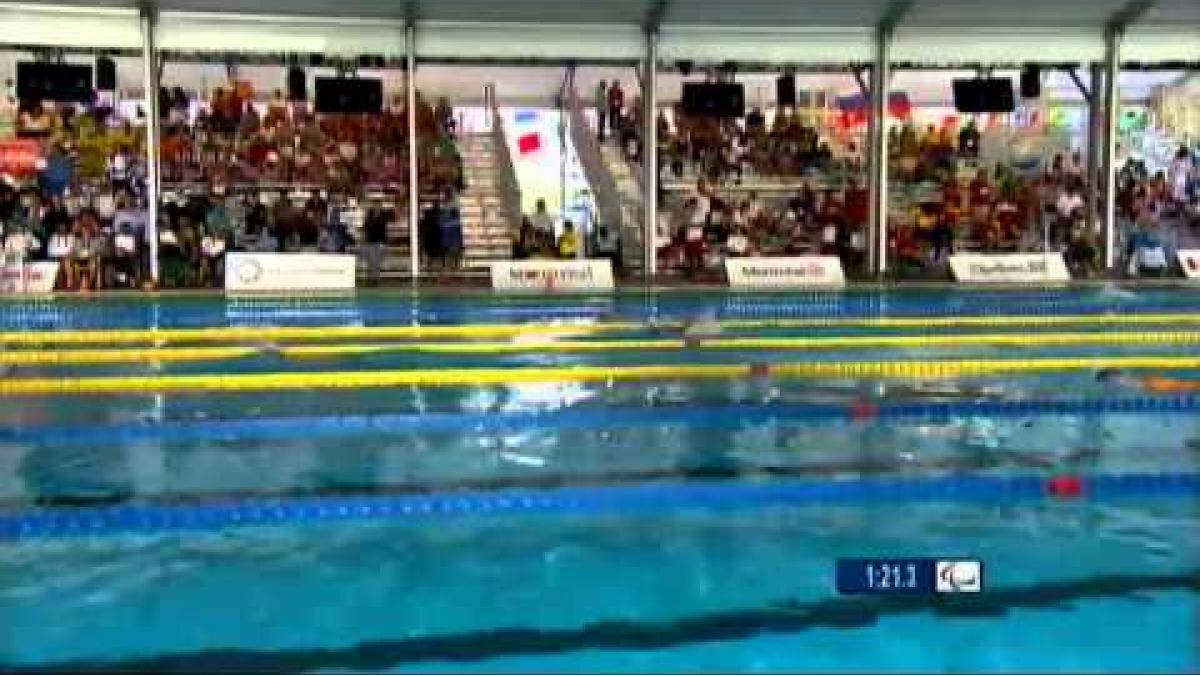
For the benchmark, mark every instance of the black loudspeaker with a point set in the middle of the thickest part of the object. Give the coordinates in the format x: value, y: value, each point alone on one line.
x: 785, y: 91
x: 1031, y: 82
x: 106, y: 74
x: 355, y: 96
x: 297, y: 84
x: 38, y: 81
x: 724, y: 100
x: 984, y: 95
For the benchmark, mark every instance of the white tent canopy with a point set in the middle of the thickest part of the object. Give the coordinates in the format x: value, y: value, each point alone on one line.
x: 791, y: 31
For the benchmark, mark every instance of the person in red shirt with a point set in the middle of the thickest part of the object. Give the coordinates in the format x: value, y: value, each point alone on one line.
x: 858, y: 203
x: 981, y: 199
x: 616, y: 105
x: 907, y: 247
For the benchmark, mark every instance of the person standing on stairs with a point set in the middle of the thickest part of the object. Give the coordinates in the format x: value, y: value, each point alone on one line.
x: 616, y: 107
x: 601, y: 109
x: 375, y: 233
x: 450, y: 231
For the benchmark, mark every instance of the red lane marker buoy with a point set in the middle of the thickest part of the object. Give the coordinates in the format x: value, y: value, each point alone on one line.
x: 760, y: 370
x: 1065, y: 487
x: 863, y: 410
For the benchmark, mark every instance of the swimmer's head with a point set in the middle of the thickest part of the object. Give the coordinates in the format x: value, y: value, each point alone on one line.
x: 1106, y: 375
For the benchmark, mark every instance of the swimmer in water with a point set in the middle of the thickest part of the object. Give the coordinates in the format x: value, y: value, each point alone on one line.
x: 705, y: 327
x: 1153, y: 384
x: 270, y: 349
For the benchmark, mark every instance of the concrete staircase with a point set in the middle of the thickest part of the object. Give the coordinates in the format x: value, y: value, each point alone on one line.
x: 487, y: 229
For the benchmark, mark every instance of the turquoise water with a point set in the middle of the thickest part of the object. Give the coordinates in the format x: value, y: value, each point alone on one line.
x: 1089, y: 584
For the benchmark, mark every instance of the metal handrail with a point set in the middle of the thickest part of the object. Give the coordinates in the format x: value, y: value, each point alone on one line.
x: 506, y: 172
x: 604, y: 186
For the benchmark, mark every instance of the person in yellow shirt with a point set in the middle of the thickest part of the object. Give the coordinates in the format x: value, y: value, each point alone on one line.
x: 568, y: 241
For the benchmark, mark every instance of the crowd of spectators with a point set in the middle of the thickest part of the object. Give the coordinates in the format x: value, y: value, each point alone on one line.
x: 711, y: 223
x: 237, y: 175
x: 235, y: 139
x: 729, y: 150
x: 944, y: 200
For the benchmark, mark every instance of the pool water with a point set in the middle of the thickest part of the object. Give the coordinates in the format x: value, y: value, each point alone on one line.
x: 699, y: 572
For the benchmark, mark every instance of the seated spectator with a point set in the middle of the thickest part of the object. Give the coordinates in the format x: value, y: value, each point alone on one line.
x: 1068, y: 206
x: 568, y: 241
x: 1082, y: 255
x: 1146, y: 252
x: 525, y: 245
x: 542, y: 221
x: 126, y: 255
x: 62, y: 249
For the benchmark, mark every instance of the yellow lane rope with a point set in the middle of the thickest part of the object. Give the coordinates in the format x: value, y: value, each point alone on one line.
x: 508, y: 376
x: 195, y: 354
x: 334, y: 333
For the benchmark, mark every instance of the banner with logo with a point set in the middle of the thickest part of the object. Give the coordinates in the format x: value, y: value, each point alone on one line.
x: 1008, y: 268
x: 552, y: 275
x: 19, y: 277
x: 1189, y: 260
x: 800, y: 271
x: 274, y: 272
x: 19, y: 157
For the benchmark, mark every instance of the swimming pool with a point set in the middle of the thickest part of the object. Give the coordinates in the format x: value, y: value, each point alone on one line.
x: 563, y: 483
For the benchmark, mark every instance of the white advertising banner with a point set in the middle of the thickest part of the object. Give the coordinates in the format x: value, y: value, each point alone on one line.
x: 801, y: 271
x: 552, y: 275
x: 1009, y: 268
x: 1189, y: 260
x: 274, y: 272
x: 19, y: 277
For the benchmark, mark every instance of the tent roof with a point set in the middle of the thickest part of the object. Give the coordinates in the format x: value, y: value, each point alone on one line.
x: 717, y: 13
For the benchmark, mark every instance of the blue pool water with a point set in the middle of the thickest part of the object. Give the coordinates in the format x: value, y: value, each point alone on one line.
x: 671, y: 524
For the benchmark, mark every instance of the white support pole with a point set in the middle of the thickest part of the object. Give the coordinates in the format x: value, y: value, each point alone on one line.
x: 881, y: 74
x: 650, y: 155
x: 150, y: 85
x: 1112, y: 115
x: 414, y: 181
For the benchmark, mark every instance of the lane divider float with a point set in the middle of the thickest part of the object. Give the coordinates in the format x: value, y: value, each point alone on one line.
x: 331, y: 333
x: 143, y: 518
x: 459, y: 377
x: 196, y: 354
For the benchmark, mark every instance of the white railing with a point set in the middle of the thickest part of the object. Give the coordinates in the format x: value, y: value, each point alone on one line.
x: 506, y: 172
x: 587, y: 147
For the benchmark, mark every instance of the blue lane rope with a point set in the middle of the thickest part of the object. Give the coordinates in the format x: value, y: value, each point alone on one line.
x: 281, y: 428
x: 145, y: 518
x: 50, y: 316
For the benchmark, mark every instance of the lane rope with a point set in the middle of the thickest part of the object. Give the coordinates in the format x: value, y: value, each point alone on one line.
x: 283, y: 428
x: 196, y: 354
x: 60, y: 522
x: 476, y: 377
x: 322, y: 333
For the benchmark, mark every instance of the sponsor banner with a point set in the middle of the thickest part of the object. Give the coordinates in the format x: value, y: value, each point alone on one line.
x: 19, y: 157
x: 1189, y: 260
x: 552, y: 275
x: 18, y: 277
x: 1009, y: 267
x: 785, y: 272
x: 274, y: 272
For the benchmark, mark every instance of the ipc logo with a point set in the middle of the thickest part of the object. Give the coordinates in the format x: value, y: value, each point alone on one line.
x: 959, y: 576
